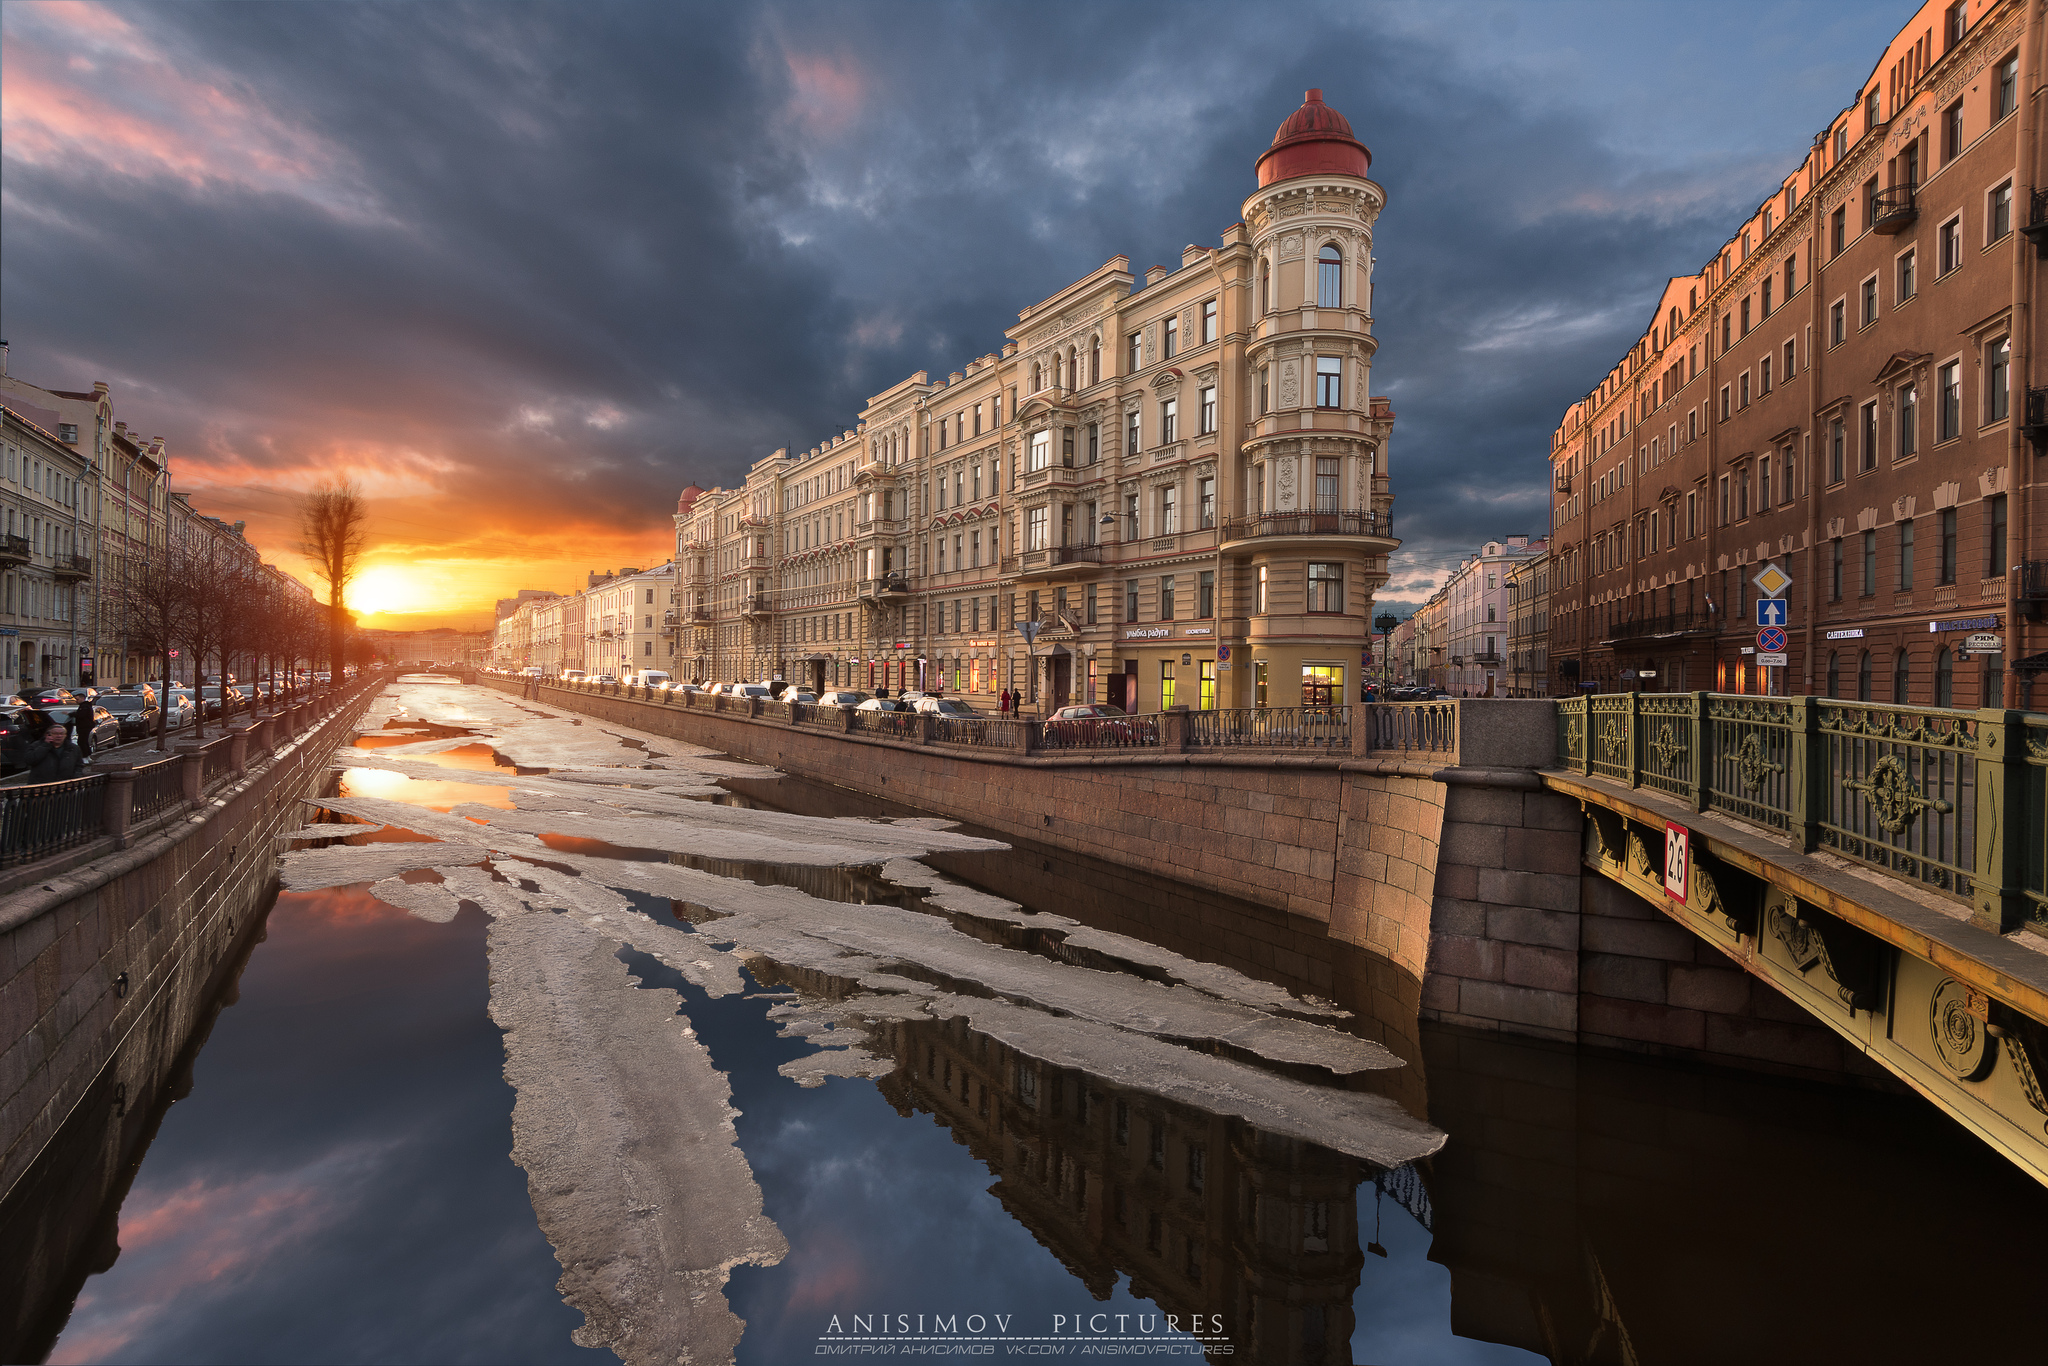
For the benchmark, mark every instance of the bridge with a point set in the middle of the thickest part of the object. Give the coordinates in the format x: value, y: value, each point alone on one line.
x: 1831, y: 889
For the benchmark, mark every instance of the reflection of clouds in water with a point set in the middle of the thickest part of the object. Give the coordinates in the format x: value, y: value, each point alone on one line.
x: 896, y: 1217
x: 430, y: 793
x: 349, y: 1122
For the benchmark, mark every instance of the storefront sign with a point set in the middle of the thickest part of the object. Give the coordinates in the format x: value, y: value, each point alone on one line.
x: 1853, y: 633
x: 1985, y: 643
x: 1199, y: 631
x: 1963, y: 624
x: 1148, y: 632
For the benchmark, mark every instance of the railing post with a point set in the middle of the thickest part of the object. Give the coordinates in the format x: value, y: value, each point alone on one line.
x: 1031, y: 734
x: 1702, y: 752
x: 1586, y: 742
x: 1999, y: 899
x: 238, y: 752
x: 926, y: 724
x: 1173, y: 731
x: 192, y: 772
x: 120, y: 798
x: 1362, y: 714
x: 1808, y: 761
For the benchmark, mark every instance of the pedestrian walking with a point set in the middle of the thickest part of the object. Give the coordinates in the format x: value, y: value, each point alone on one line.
x: 1004, y: 705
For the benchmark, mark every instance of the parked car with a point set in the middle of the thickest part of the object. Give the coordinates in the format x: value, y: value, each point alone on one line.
x: 217, y: 699
x: 882, y: 704
x: 841, y: 697
x: 747, y: 690
x: 944, y: 706
x: 135, y: 711
x: 179, y: 711
x: 1097, y: 723
x: 147, y: 690
x: 53, y: 697
x: 573, y: 675
x: 803, y: 695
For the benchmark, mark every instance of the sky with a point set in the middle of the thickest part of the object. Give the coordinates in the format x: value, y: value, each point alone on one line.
x: 525, y: 270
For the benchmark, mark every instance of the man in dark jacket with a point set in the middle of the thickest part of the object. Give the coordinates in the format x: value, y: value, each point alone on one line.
x: 53, y: 758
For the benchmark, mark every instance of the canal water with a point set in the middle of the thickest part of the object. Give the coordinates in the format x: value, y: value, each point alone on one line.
x: 1009, y: 1103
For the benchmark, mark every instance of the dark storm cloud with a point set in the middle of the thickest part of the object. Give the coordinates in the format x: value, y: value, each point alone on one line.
x: 533, y: 267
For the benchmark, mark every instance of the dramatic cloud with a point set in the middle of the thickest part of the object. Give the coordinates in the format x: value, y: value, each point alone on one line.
x: 525, y: 270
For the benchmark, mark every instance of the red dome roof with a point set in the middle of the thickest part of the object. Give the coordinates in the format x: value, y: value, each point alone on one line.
x: 689, y: 497
x: 1315, y: 140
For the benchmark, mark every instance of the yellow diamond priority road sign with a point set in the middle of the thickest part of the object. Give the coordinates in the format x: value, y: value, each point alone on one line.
x: 1773, y: 581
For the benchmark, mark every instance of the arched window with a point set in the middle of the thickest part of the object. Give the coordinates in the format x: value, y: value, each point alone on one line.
x: 1944, y: 678
x: 1863, y: 677
x: 1330, y: 278
x: 1035, y: 378
x: 1834, y: 674
x: 1902, y: 678
x: 1095, y: 361
x: 1073, y: 369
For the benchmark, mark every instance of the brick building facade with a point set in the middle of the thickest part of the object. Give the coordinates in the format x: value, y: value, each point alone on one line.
x: 1842, y: 392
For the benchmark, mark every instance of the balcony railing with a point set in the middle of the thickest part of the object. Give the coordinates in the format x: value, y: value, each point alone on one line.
x: 2033, y: 584
x: 890, y: 587
x: 1309, y: 524
x: 1893, y: 210
x: 73, y: 567
x: 756, y: 605
x: 14, y: 550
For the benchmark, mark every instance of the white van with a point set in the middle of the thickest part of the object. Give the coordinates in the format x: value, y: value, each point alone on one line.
x: 648, y: 678
x: 571, y: 675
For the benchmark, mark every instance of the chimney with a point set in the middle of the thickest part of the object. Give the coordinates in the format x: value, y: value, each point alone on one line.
x: 1154, y: 274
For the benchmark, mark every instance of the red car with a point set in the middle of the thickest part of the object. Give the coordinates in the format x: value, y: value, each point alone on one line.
x: 1097, y: 725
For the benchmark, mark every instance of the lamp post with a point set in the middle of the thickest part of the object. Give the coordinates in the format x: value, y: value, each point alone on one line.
x: 1386, y: 621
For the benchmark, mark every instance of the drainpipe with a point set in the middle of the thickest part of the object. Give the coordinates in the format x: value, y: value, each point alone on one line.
x: 1816, y: 348
x: 2019, y: 456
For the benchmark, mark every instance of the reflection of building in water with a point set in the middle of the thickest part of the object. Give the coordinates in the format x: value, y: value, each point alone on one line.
x: 1206, y: 1215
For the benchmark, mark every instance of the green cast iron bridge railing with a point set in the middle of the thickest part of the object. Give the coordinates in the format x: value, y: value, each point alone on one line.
x: 1953, y: 801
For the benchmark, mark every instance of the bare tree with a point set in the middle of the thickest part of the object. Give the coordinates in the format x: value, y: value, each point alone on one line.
x: 150, y: 596
x: 334, y: 527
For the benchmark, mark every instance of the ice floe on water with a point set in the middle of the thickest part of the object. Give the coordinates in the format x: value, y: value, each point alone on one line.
x: 622, y: 1121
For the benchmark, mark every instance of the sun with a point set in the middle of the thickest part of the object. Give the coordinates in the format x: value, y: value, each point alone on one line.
x: 383, y: 588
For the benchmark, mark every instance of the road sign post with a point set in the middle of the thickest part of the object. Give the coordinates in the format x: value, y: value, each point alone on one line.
x: 1772, y: 612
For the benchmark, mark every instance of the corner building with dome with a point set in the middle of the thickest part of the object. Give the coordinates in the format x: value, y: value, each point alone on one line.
x: 1157, y: 493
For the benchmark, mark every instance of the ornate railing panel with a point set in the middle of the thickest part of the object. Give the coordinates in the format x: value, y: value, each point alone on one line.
x: 889, y: 725
x: 2030, y: 750
x: 1098, y: 732
x: 1751, y: 772
x: 1899, y: 790
x: 1412, y: 727
x: 1571, y: 732
x: 45, y: 818
x: 217, y: 763
x: 977, y: 732
x: 1667, y: 743
x: 1317, y: 728
x: 157, y: 786
x: 1611, y: 742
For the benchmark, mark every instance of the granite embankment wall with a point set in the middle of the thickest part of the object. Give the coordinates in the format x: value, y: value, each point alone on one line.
x: 111, y: 956
x: 1460, y: 869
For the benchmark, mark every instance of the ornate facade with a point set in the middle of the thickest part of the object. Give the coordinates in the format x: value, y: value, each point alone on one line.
x: 1156, y: 494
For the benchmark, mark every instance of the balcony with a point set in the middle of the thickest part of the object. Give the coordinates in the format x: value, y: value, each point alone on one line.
x: 1893, y: 211
x: 2033, y: 582
x: 1058, y: 562
x: 14, y: 550
x: 1649, y: 631
x: 700, y: 614
x: 1378, y: 525
x: 71, y: 568
x: 756, y: 605
x: 889, y: 588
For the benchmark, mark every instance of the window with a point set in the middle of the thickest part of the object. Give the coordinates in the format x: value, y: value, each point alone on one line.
x: 1944, y: 678
x: 1870, y: 564
x: 2008, y: 85
x: 1207, y: 587
x: 1869, y: 301
x: 1951, y: 244
x: 1909, y: 421
x: 1264, y: 391
x: 1948, y: 547
x: 1132, y: 444
x: 1955, y: 23
x: 1998, y: 221
x: 1906, y: 555
x: 1952, y: 132
x: 1869, y: 452
x: 1745, y: 316
x: 1330, y: 278
x: 1835, y: 576
x: 1870, y: 110
x: 1169, y: 510
x: 1134, y: 347
x: 1763, y: 484
x: 1834, y: 674
x: 1170, y: 340
x: 1169, y: 421
x: 1037, y: 529
x: 1998, y: 380
x: 1791, y: 354
x: 1166, y: 600
x: 1994, y: 537
x: 1837, y: 322
x: 1329, y: 382
x: 1040, y: 457
x: 1094, y: 442
x: 1727, y: 332
x: 1326, y: 483
x: 1744, y: 383
x: 1791, y: 276
x: 1768, y: 282
x: 1948, y: 415
x: 1835, y: 443
x: 1094, y: 361
x: 1869, y: 202
x: 1209, y: 321
x: 1863, y: 690
x: 1205, y: 501
x: 1326, y: 588
x: 1259, y: 598
x: 1902, y: 677
x: 1763, y: 375
x: 1906, y: 285
x: 1208, y: 410
x: 1165, y: 704
x: 1839, y: 231
x: 1724, y: 403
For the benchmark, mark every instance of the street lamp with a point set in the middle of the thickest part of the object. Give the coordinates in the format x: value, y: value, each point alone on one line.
x: 1386, y: 621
